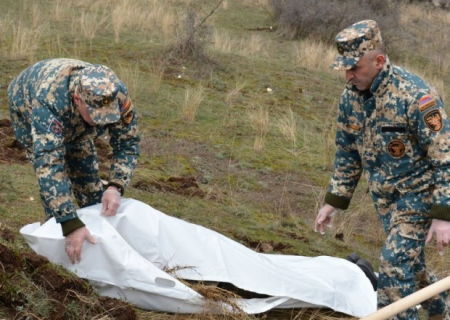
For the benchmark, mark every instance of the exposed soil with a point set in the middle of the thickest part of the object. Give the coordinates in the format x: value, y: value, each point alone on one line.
x: 11, y: 151
x: 186, y: 186
x: 60, y: 291
x: 25, y: 277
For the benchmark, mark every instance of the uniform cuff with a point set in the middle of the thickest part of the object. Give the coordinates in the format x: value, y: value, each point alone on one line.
x: 71, y: 225
x: 440, y: 212
x: 337, y: 201
x: 118, y: 186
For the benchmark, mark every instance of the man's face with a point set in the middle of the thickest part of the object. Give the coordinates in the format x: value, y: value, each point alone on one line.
x: 365, y: 71
x: 82, y: 107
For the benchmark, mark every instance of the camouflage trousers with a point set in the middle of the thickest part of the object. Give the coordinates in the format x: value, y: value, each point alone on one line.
x: 402, y: 272
x: 81, y: 164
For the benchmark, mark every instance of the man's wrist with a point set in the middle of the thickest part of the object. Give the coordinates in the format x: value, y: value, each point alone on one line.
x: 440, y: 212
x: 117, y: 187
x: 71, y: 225
x: 337, y: 202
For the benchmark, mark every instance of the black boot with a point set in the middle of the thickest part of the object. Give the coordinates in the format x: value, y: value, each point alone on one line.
x: 353, y: 257
x: 367, y: 268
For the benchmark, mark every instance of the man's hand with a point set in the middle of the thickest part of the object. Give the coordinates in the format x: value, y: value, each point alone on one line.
x: 442, y: 230
x: 110, y: 201
x: 74, y: 242
x: 324, y: 218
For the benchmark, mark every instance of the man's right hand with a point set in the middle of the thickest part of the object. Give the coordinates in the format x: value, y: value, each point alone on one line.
x: 324, y: 218
x: 74, y: 243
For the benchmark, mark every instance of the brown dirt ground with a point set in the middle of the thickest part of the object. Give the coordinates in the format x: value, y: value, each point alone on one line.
x: 61, y: 290
x: 14, y: 266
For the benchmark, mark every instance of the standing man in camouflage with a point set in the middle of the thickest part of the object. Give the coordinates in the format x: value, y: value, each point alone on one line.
x: 58, y: 107
x: 392, y: 124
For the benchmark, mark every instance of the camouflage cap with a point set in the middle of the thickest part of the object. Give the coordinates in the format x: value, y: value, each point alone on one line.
x: 355, y: 41
x: 99, y: 86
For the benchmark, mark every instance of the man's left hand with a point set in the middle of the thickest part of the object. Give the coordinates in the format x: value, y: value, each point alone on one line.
x: 110, y: 201
x: 442, y: 230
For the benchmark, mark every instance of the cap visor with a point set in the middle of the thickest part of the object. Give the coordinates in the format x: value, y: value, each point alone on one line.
x: 105, y: 115
x: 342, y: 63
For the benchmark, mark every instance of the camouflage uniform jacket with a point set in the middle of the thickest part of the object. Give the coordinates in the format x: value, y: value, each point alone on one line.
x: 42, y: 96
x: 398, y: 133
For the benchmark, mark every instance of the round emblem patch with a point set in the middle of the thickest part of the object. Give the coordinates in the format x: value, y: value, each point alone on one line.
x: 396, y: 148
x: 433, y: 120
x: 106, y: 101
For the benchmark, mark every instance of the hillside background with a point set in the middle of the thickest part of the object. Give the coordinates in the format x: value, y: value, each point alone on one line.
x: 236, y: 109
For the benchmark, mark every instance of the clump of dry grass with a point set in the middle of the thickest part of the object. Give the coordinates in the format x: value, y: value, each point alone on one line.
x: 91, y: 22
x: 287, y: 125
x: 259, y: 121
x: 193, y: 97
x: 130, y: 75
x: 119, y: 19
x: 25, y: 41
x: 315, y: 55
x: 244, y: 46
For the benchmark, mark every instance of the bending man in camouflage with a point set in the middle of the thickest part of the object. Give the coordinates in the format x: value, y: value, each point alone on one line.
x: 393, y: 125
x: 58, y: 107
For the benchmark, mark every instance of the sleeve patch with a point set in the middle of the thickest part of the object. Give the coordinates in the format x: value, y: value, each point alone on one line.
x: 433, y: 120
x: 56, y: 127
x: 425, y: 103
x: 127, y: 113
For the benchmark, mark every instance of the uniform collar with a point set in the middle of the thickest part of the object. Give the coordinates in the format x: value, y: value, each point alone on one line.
x: 380, y: 83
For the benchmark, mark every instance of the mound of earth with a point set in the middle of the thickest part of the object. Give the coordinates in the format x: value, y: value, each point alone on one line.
x: 31, y: 285
x: 11, y: 151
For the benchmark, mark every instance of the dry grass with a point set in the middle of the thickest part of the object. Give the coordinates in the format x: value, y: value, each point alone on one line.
x: 255, y: 3
x: 193, y: 97
x: 222, y: 41
x: 244, y: 46
x: 315, y: 55
x: 91, y: 22
x: 233, y: 99
x: 25, y: 41
x: 259, y: 121
x: 119, y: 20
x: 130, y: 75
x: 36, y: 17
x: 234, y: 94
x: 156, y: 77
x: 287, y: 125
x: 252, y: 45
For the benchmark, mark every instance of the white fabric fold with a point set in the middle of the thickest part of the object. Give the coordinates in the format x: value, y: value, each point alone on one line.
x: 135, y: 246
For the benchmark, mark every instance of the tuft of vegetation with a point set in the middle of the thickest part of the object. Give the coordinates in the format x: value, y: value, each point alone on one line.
x: 297, y: 19
x: 237, y: 109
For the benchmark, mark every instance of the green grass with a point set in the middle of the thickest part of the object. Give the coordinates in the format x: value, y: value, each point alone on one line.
x: 270, y: 196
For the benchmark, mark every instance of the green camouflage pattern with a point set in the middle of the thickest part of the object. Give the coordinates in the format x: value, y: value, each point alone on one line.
x: 397, y: 133
x: 59, y: 143
x: 354, y: 42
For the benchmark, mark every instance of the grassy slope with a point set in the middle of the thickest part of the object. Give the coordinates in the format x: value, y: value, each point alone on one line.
x: 269, y: 196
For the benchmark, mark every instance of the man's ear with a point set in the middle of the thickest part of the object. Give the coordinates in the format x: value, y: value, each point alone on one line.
x: 380, y: 59
x: 76, y: 98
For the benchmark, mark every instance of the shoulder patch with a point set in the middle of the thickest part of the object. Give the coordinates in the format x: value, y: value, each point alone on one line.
x: 433, y: 120
x: 56, y: 127
x: 425, y: 103
x: 126, y: 112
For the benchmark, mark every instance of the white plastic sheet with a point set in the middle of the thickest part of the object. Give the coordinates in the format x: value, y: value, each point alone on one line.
x: 135, y: 246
